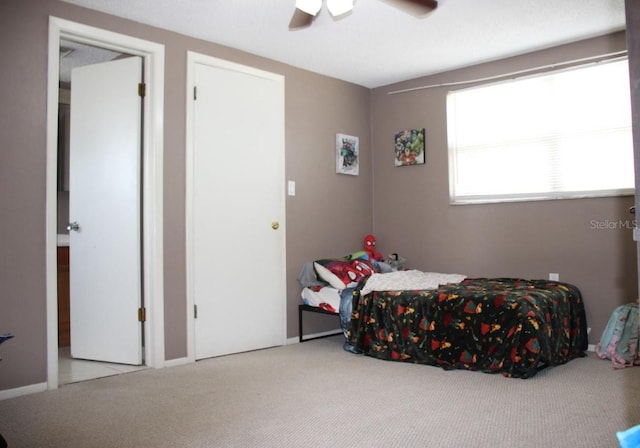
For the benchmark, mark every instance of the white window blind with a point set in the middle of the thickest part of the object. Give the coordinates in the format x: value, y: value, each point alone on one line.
x: 560, y: 135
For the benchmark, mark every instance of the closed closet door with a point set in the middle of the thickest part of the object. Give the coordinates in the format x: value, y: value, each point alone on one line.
x: 236, y: 231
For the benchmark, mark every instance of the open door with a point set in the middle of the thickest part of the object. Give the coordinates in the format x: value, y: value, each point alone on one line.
x: 105, y: 210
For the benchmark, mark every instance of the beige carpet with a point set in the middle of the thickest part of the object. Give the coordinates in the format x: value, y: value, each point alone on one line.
x: 316, y: 395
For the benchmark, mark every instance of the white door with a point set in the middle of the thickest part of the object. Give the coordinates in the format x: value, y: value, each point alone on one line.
x: 104, y: 201
x: 237, y: 220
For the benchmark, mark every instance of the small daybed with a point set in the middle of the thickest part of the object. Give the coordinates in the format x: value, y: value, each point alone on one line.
x: 512, y: 326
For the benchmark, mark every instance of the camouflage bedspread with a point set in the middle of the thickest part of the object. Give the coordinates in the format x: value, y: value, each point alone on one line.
x: 507, y: 325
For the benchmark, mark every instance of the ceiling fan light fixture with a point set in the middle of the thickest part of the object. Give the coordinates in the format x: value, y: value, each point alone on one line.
x: 309, y: 6
x: 339, y: 7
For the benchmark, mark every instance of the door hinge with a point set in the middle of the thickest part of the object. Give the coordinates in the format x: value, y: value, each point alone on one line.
x: 195, y: 311
x: 142, y: 314
x: 195, y: 93
x: 142, y: 89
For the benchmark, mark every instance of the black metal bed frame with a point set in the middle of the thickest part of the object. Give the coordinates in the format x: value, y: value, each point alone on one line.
x: 313, y: 309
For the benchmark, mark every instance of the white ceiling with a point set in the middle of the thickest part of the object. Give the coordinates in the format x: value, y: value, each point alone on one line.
x: 74, y: 54
x: 378, y: 43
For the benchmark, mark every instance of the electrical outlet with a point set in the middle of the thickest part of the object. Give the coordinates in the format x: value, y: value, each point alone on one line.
x: 554, y: 277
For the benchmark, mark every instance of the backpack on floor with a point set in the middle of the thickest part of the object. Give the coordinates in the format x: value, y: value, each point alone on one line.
x: 619, y: 341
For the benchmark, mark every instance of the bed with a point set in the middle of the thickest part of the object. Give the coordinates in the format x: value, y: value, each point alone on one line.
x: 322, y: 300
x: 511, y: 326
x: 328, y: 285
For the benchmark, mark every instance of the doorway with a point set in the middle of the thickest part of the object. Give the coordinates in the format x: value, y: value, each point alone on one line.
x: 152, y: 55
x: 99, y: 137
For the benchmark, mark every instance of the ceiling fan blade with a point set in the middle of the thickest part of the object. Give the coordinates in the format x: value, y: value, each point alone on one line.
x: 339, y: 7
x: 300, y: 19
x: 414, y: 7
x: 427, y: 4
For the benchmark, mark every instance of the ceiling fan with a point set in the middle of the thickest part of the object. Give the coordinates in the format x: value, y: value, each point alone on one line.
x: 307, y: 10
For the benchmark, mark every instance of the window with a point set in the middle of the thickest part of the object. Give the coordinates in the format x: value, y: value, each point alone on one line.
x: 560, y: 135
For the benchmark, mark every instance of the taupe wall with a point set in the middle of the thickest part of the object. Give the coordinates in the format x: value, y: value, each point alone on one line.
x: 328, y: 216
x: 407, y: 207
x: 412, y: 215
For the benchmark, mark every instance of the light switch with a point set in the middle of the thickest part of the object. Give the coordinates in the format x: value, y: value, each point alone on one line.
x: 291, y: 188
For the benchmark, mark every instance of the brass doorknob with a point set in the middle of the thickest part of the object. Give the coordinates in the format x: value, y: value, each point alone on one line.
x: 275, y: 225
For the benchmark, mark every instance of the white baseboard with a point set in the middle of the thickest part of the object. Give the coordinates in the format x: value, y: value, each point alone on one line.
x: 177, y: 362
x: 591, y: 348
x: 25, y: 390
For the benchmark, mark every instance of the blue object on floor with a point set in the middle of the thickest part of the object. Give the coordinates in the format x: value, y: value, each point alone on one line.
x: 629, y: 438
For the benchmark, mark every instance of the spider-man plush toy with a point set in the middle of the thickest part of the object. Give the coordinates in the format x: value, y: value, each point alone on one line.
x: 370, y: 248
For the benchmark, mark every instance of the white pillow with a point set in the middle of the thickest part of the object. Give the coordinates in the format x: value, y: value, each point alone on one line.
x: 328, y: 276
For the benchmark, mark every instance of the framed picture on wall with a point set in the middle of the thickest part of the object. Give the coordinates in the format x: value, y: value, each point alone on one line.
x: 347, y: 154
x: 409, y: 147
